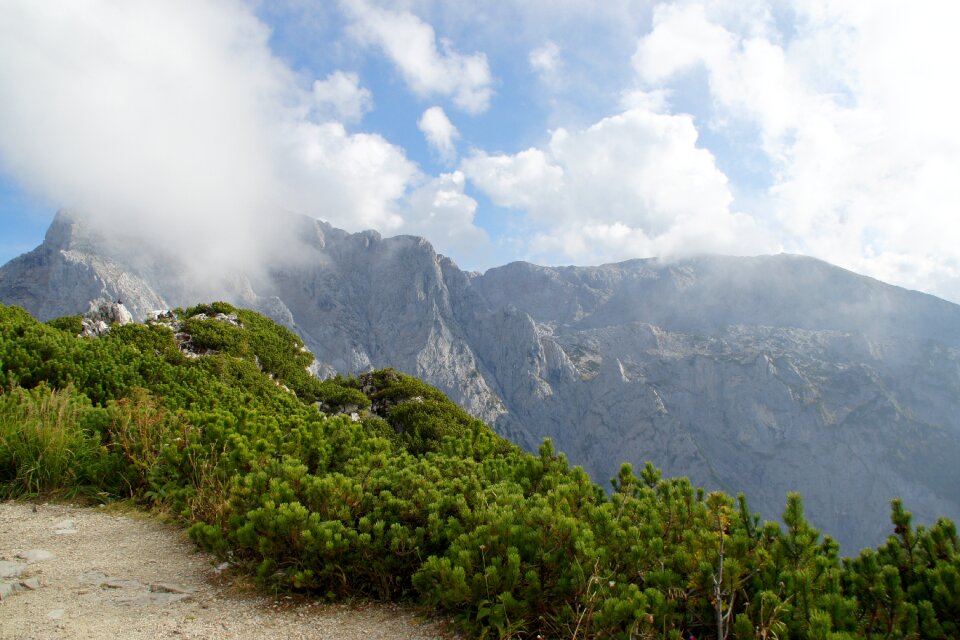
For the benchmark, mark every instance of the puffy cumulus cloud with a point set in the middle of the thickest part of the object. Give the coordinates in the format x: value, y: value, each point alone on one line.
x: 440, y: 210
x: 429, y: 67
x: 634, y: 184
x: 440, y: 133
x: 855, y: 115
x: 746, y: 75
x: 525, y: 180
x: 174, y: 122
x: 354, y: 181
x: 340, y: 97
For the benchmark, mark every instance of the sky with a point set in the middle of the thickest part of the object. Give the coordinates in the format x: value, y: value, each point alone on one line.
x: 558, y: 132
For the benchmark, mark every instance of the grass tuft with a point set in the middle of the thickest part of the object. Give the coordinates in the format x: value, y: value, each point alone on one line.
x: 43, y: 448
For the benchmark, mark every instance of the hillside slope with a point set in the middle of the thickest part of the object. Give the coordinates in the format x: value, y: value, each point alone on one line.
x: 766, y: 374
x: 378, y: 486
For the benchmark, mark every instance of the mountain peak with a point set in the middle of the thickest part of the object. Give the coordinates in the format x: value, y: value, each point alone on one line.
x: 766, y: 374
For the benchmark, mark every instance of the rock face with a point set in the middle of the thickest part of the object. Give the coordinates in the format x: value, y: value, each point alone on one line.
x: 765, y: 375
x: 71, y: 268
x: 102, y: 315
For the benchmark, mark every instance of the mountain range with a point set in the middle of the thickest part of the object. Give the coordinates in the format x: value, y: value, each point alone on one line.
x: 764, y: 375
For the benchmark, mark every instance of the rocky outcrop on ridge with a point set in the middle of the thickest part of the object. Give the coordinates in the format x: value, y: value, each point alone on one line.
x: 102, y: 315
x: 766, y: 375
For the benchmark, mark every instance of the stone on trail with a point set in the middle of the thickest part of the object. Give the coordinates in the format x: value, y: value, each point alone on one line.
x: 150, y: 598
x: 120, y: 583
x: 36, y: 555
x: 168, y: 587
x: 65, y: 527
x: 31, y: 584
x: 10, y: 569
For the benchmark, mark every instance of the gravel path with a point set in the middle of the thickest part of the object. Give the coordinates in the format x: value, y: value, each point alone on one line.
x: 123, y: 576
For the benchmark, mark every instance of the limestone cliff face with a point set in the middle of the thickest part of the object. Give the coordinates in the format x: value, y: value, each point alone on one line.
x: 765, y: 375
x: 70, y: 269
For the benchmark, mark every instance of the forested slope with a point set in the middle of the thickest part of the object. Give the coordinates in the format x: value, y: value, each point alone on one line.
x: 404, y: 496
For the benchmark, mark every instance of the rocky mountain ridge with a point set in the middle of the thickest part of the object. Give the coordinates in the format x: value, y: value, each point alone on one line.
x: 766, y: 375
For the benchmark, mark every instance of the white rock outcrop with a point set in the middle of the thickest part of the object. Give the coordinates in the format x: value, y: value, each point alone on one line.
x: 102, y: 315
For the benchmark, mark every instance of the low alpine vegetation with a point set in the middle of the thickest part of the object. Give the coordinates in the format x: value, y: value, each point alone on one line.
x: 378, y: 486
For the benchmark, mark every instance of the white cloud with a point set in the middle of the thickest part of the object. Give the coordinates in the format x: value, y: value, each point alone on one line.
x: 354, y: 181
x: 152, y: 116
x: 175, y: 122
x: 440, y: 133
x: 525, y: 180
x: 429, y: 68
x: 631, y: 185
x: 545, y: 61
x: 441, y: 211
x: 177, y: 115
x: 655, y: 101
x: 856, y: 116
x: 340, y: 97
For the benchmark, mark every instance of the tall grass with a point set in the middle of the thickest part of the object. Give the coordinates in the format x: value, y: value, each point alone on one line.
x: 54, y: 443
x: 43, y: 447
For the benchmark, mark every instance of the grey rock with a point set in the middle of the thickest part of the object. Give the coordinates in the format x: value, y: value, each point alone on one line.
x: 64, y: 525
x: 764, y: 375
x: 102, y: 315
x: 120, y: 583
x: 92, y: 578
x: 6, y: 590
x: 169, y: 587
x: 31, y: 584
x: 56, y: 614
x: 9, y: 569
x: 151, y: 598
x: 71, y: 268
x: 36, y: 555
x: 65, y: 528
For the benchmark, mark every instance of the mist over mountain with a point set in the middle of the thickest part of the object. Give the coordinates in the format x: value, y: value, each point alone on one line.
x: 763, y: 375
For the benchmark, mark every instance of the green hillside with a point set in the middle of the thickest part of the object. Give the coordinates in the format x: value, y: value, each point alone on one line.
x: 379, y: 486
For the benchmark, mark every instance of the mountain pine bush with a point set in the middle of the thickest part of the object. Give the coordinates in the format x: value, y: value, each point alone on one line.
x: 411, y: 498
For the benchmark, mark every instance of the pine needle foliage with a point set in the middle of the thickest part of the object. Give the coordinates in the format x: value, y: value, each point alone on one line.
x: 379, y: 486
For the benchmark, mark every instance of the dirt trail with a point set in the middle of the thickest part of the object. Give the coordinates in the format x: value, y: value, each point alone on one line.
x: 122, y: 576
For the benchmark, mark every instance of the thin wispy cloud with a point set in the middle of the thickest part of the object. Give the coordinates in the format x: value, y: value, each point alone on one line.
x: 430, y: 66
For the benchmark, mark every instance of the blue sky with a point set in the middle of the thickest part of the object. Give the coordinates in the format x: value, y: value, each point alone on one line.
x: 562, y: 132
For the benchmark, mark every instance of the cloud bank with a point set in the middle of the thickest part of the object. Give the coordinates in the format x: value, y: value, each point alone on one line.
x: 634, y: 184
x: 175, y: 122
x: 585, y: 133
x: 854, y: 114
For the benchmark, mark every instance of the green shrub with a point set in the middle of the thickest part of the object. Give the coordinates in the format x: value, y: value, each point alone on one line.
x: 418, y: 500
x: 72, y: 325
x: 336, y: 397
